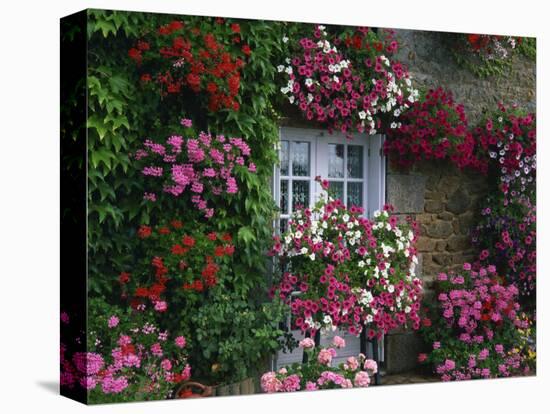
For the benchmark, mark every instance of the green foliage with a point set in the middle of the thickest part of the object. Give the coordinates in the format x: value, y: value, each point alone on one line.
x: 235, y: 329
x: 528, y: 48
x: 233, y: 336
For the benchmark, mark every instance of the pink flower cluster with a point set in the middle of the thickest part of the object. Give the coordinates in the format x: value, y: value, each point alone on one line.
x: 346, y: 94
x: 507, y: 237
x: 349, y: 271
x: 202, y: 168
x: 506, y: 234
x: 508, y: 139
x: 143, y: 358
x: 318, y: 373
x: 480, y: 332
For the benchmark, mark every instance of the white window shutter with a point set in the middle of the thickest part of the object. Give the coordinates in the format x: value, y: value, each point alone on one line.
x: 376, y: 174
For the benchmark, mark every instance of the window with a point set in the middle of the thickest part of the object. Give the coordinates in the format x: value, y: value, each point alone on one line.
x: 356, y: 171
x: 354, y: 168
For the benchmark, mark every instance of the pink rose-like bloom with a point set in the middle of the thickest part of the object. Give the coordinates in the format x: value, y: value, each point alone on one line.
x: 124, y: 340
x: 186, y: 122
x: 449, y: 364
x: 351, y: 364
x: 325, y: 356
x: 338, y: 342
x: 180, y: 342
x: 311, y: 386
x: 422, y: 357
x: 156, y: 349
x: 361, y: 379
x: 166, y: 365
x: 291, y: 383
x: 111, y: 385
x: 467, y: 266
x: 499, y: 348
x: 371, y: 366
x: 88, y: 383
x: 186, y: 373
x: 88, y: 363
x: 437, y: 345
x: 307, y: 343
x: 270, y: 383
x: 161, y: 306
x: 113, y: 321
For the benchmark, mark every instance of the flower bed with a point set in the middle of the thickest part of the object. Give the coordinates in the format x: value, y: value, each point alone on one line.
x: 131, y: 358
x: 476, y: 329
x: 318, y: 373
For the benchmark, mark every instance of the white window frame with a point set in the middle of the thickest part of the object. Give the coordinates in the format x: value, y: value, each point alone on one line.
x: 374, y: 171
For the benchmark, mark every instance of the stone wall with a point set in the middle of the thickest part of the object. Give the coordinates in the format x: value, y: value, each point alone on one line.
x: 444, y: 200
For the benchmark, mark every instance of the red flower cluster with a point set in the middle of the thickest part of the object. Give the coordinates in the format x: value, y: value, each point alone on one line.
x: 195, y: 58
x: 487, y: 44
x: 181, y: 262
x: 434, y: 128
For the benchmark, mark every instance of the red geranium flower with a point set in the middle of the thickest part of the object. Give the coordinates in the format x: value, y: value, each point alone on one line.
x: 124, y: 277
x: 188, y: 241
x: 142, y: 292
x: 177, y: 224
x: 236, y: 28
x: 144, y: 232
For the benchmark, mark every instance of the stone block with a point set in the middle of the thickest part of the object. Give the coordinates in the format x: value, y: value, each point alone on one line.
x: 458, y: 243
x: 458, y: 202
x: 442, y: 259
x: 433, y: 206
x: 439, y: 229
x: 406, y: 192
x: 445, y: 216
x: 425, y: 244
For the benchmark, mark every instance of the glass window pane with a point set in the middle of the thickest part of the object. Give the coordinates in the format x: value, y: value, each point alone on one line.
x: 336, y: 190
x: 300, y: 194
x: 300, y: 158
x: 284, y: 157
x: 283, y: 200
x: 336, y: 160
x: 283, y: 225
x: 355, y: 161
x: 355, y: 195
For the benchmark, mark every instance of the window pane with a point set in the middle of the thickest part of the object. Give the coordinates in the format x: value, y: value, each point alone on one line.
x: 336, y: 190
x: 336, y: 160
x: 355, y: 195
x: 283, y: 201
x: 355, y: 161
x: 300, y: 194
x: 284, y: 157
x: 300, y: 158
x: 283, y: 225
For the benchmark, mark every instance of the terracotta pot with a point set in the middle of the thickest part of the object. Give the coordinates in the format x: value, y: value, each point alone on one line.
x: 192, y: 389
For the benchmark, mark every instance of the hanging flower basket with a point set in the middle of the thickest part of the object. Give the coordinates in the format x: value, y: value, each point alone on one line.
x: 348, y: 84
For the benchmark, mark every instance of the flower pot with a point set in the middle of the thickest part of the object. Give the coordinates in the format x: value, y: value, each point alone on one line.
x: 192, y: 389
